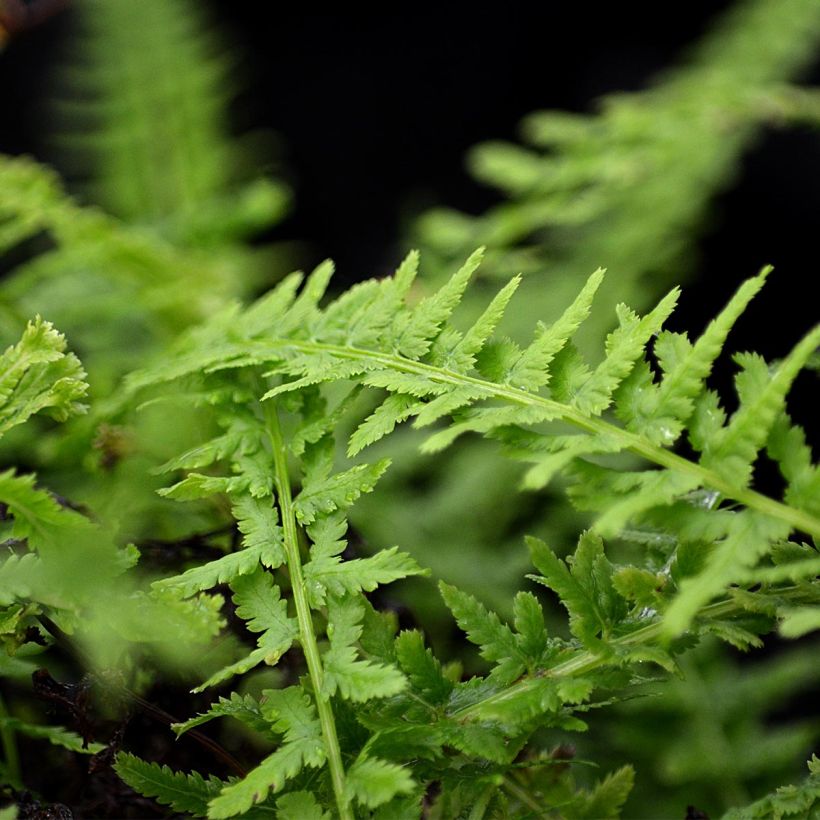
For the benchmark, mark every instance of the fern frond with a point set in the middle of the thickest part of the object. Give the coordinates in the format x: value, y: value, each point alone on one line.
x: 800, y: 800
x: 142, y: 112
x: 292, y: 715
x: 585, y: 189
x: 259, y: 604
x: 485, y: 400
x: 300, y: 806
x: 245, y: 709
x: 38, y: 375
x: 373, y: 782
x: 188, y: 793
x: 353, y: 679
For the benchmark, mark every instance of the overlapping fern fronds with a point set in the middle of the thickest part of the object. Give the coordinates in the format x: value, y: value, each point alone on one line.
x: 719, y: 559
x: 629, y: 186
x: 144, y: 107
x: 48, y: 547
x: 472, y: 382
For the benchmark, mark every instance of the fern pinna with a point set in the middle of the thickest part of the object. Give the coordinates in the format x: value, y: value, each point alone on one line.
x: 377, y: 719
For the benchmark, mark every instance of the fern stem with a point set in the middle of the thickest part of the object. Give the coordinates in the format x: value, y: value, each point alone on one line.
x: 797, y: 519
x: 586, y: 661
x: 307, y: 635
x: 523, y: 796
x: 9, y: 743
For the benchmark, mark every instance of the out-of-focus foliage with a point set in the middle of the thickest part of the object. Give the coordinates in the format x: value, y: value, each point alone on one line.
x: 629, y: 186
x: 141, y: 107
x: 717, y: 734
x: 142, y: 122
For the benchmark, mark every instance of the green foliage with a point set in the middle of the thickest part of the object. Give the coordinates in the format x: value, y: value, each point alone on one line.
x: 800, y: 800
x: 721, y: 564
x: 249, y: 410
x: 630, y: 185
x: 185, y: 793
x: 136, y: 69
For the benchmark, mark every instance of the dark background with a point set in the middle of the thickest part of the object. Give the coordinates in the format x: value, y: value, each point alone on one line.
x: 375, y: 112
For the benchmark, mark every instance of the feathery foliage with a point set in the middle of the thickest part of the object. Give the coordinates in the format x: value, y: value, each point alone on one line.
x: 275, y: 611
x: 721, y: 564
x: 630, y: 185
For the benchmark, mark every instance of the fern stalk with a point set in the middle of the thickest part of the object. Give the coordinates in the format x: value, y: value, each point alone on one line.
x: 9, y: 744
x: 639, y: 445
x: 307, y: 635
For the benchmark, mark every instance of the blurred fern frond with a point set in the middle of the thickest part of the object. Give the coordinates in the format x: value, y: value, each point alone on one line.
x: 143, y: 105
x: 630, y: 185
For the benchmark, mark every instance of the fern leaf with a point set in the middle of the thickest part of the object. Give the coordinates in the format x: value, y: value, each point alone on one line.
x: 414, y: 332
x: 300, y: 806
x: 196, y: 485
x: 269, y: 776
x: 422, y: 668
x: 607, y: 798
x: 395, y: 409
x: 446, y: 404
x: 684, y: 374
x: 241, y: 438
x: 801, y: 799
x: 530, y: 626
x: 482, y: 329
x: 530, y: 371
x: 373, y: 782
x: 354, y: 679
x: 483, y: 628
x: 269, y: 310
x: 38, y: 375
x: 623, y: 347
x: 586, y: 591
x: 749, y: 536
x: 650, y: 489
x: 338, y: 491
x: 259, y: 604
x: 735, y: 448
x: 55, y: 735
x: 787, y: 446
x: 564, y: 450
x: 259, y: 524
x: 189, y: 793
x: 485, y: 419
x: 329, y: 573
x: 208, y: 575
x: 292, y: 714
x: 245, y: 709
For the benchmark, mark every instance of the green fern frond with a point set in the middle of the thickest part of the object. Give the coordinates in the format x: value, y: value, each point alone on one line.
x: 38, y: 375
x: 142, y: 108
x: 724, y: 570
x: 291, y: 714
x: 188, y: 793
x: 800, y: 800
x: 490, y: 403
